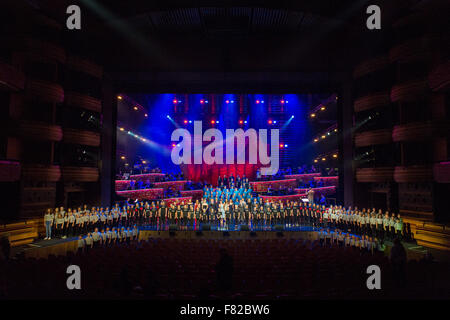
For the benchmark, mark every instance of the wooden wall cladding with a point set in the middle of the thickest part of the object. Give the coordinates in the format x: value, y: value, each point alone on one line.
x: 79, y: 100
x: 86, y: 66
x: 11, y: 79
x: 439, y: 77
x: 420, y: 131
x: 9, y: 171
x: 40, y: 131
x: 41, y: 172
x: 45, y: 50
x: 374, y: 137
x: 80, y: 174
x: 441, y: 172
x: 370, y: 65
x: 44, y: 91
x: 374, y: 100
x: 409, y: 91
x: 413, y: 174
x: 380, y: 174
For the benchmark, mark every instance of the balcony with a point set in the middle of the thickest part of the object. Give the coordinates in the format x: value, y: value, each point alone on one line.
x: 439, y: 77
x: 413, y: 174
x: 79, y: 100
x: 44, y: 91
x: 83, y: 137
x: 83, y: 65
x: 44, y: 51
x: 369, y: 66
x: 372, y: 101
x: 381, y: 174
x: 9, y: 171
x: 409, y: 91
x: 411, y: 51
x: 80, y: 174
x: 368, y: 138
x: 40, y: 131
x: 441, y: 172
x: 11, y: 79
x: 420, y: 131
x: 36, y: 172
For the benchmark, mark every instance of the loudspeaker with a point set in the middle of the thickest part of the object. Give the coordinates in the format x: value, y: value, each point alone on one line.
x: 206, y: 227
x: 279, y: 227
x: 173, y: 227
x: 244, y: 227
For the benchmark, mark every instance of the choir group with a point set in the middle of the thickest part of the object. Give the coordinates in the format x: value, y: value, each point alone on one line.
x: 225, y: 209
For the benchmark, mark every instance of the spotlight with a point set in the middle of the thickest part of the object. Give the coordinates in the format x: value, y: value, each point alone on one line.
x: 190, y: 121
x: 313, y: 115
x: 146, y: 115
x: 269, y: 122
x: 173, y: 145
x: 119, y: 97
x: 334, y: 155
x: 262, y: 101
x: 175, y: 101
x: 323, y: 159
x: 275, y: 121
x: 227, y: 101
x: 126, y: 164
x: 328, y: 133
x: 212, y: 122
x: 257, y: 101
x: 217, y: 121
x: 287, y: 101
x: 122, y: 157
x: 282, y: 101
x: 185, y: 121
x: 285, y: 145
x: 232, y: 101
x: 240, y: 122
x: 206, y: 101
x: 144, y: 162
x: 168, y: 117
x: 335, y: 130
x: 315, y: 160
x: 315, y: 140
x: 292, y: 117
x: 245, y: 121
x: 281, y: 145
x: 135, y: 108
x: 121, y: 129
x: 143, y: 139
x: 323, y: 137
x: 202, y: 101
x: 322, y: 108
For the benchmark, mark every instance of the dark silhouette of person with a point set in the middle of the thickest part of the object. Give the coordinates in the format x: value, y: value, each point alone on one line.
x: 224, y: 271
x: 398, y: 262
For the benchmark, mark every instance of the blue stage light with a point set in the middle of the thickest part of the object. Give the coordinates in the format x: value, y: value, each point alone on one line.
x: 190, y: 121
x: 275, y: 121
x: 217, y: 121
x: 292, y: 117
x: 285, y: 145
x: 245, y: 121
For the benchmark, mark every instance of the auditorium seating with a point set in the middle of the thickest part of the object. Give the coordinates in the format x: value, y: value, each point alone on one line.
x: 185, y: 269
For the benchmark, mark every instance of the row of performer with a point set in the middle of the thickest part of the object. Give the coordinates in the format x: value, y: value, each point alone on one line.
x: 257, y: 214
